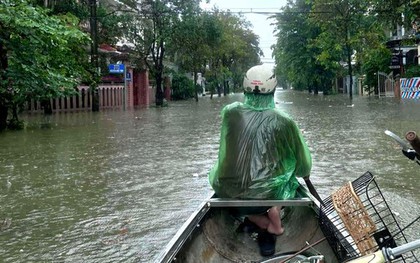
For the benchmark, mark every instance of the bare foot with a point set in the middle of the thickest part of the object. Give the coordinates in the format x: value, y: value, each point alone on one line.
x: 277, y: 231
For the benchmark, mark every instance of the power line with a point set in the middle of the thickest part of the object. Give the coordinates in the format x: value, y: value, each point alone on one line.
x: 261, y: 11
x: 247, y: 11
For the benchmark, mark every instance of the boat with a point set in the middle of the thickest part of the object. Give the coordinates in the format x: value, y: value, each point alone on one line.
x: 353, y: 224
x: 210, y: 234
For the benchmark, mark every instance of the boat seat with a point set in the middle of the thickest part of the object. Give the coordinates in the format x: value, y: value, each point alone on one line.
x: 229, y: 202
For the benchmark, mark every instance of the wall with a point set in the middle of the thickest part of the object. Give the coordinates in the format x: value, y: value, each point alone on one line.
x: 110, y: 96
x: 138, y: 93
x: 410, y: 88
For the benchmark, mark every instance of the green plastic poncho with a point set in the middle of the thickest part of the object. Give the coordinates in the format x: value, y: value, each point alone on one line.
x: 261, y: 152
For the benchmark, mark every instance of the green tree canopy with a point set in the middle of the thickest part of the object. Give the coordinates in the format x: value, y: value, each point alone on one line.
x: 343, y: 25
x: 39, y: 55
x: 192, y: 40
x: 237, y: 52
x: 153, y: 29
x: 296, y: 53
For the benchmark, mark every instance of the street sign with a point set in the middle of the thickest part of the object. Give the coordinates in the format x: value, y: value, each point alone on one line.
x: 128, y: 76
x: 116, y: 68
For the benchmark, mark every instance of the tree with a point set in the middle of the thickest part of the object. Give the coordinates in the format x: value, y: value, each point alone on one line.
x: 239, y: 48
x: 152, y: 31
x: 192, y: 41
x: 39, y: 56
x: 236, y: 52
x: 213, y: 29
x: 392, y: 13
x: 103, y: 23
x: 374, y: 61
x: 295, y: 52
x: 344, y: 22
x: 219, y: 40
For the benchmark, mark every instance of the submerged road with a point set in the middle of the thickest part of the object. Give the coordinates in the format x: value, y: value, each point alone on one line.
x: 115, y: 186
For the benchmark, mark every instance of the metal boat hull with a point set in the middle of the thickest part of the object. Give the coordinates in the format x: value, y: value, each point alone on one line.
x: 210, y: 235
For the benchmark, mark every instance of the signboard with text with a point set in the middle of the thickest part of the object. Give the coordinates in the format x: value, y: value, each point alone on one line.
x: 116, y: 68
x: 396, y: 61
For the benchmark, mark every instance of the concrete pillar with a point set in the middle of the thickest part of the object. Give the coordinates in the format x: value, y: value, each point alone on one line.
x: 130, y: 89
x: 142, y: 87
x: 397, y: 88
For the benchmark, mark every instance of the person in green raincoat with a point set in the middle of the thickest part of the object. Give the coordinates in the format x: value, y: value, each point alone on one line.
x: 261, y: 152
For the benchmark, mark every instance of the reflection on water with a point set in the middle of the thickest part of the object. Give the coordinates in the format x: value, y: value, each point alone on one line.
x: 115, y: 186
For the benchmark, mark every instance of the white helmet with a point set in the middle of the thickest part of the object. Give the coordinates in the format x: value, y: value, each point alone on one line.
x: 260, y: 79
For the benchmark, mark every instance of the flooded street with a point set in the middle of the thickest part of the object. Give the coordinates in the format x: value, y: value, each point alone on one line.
x: 115, y: 186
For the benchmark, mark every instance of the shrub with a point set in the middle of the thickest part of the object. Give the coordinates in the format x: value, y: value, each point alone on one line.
x: 182, y: 87
x: 412, y: 71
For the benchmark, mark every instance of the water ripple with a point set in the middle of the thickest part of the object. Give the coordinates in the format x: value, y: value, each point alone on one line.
x: 115, y: 186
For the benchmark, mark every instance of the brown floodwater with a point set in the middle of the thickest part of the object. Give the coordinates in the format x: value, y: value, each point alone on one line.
x: 115, y: 186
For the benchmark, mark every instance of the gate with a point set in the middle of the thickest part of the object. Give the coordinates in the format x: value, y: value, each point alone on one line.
x: 386, y: 84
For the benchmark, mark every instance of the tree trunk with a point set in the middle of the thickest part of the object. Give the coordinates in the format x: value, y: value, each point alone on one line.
x: 158, y: 66
x: 375, y: 90
x: 46, y: 105
x: 4, y: 63
x: 3, y: 117
x: 15, y: 116
x: 195, y: 86
x: 94, y: 53
x: 349, y: 52
x: 95, y: 98
x: 316, y: 91
x: 224, y: 88
x: 14, y: 123
x: 159, y: 91
x: 350, y: 75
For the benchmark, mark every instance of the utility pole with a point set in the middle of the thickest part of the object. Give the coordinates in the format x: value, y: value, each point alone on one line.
x: 94, y: 53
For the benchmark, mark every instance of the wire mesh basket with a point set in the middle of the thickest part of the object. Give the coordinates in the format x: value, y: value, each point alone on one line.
x: 357, y: 221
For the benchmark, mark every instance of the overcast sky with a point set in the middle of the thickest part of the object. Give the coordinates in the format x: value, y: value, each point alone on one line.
x: 261, y: 25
